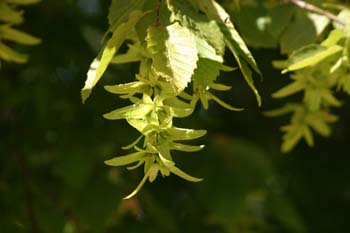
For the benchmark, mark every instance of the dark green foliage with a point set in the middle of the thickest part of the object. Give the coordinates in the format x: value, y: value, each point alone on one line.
x: 52, y: 147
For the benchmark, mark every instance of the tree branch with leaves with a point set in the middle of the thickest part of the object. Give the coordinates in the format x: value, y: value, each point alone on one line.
x: 180, y: 54
x: 180, y: 46
x: 9, y: 16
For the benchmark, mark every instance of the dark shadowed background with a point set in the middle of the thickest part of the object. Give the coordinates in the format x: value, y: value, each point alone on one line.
x: 52, y: 148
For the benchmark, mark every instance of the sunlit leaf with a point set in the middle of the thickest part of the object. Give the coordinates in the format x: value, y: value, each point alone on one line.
x: 174, y: 54
x: 289, y: 89
x: 9, y: 14
x: 133, y: 111
x: 11, y: 55
x: 333, y: 38
x: 128, y: 88
x: 247, y: 73
x: 153, y: 172
x: 223, y: 104
x: 308, y: 136
x: 139, y: 186
x: 288, y: 108
x: 207, y: 72
x: 234, y: 42
x: 185, y: 134
x: 291, y: 138
x: 319, y: 126
x: 8, y: 33
x: 186, y: 148
x: 184, y: 175
x: 126, y: 159
x: 100, y: 64
x: 309, y: 56
x: 208, y: 36
x: 330, y: 99
x: 220, y: 87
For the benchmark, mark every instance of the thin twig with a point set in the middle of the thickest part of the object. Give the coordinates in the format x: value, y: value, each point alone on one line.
x: 158, y: 12
x: 317, y: 10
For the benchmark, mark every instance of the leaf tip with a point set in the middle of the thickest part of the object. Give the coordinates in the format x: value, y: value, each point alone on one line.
x: 85, y: 93
x: 284, y: 71
x: 108, y: 162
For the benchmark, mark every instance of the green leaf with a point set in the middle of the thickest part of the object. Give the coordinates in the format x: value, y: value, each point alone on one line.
x: 133, y: 144
x: 139, y: 186
x: 153, y: 172
x: 128, y: 88
x: 334, y: 37
x: 181, y: 112
x: 206, y: 72
x: 120, y: 10
x: 211, y: 33
x: 100, y: 64
x: 302, y: 120
x: 320, y: 22
x: 247, y: 74
x: 319, y: 125
x: 293, y: 135
x: 208, y: 36
x: 164, y: 171
x: 293, y: 38
x: 313, y: 99
x: 174, y: 54
x: 321, y: 128
x: 288, y: 108
x: 185, y: 134
x: 133, y: 111
x: 139, y: 124
x: 10, y: 15
x: 184, y: 175
x: 305, y: 52
x: 222, y: 103
x: 10, y: 55
x: 290, y: 89
x: 310, y: 55
x: 205, y: 50
x: 307, y: 134
x: 279, y: 64
x: 233, y: 41
x: 330, y: 99
x: 343, y: 15
x: 327, y: 117
x: 138, y: 164
x: 281, y: 16
x: 8, y: 33
x: 149, y: 161
x: 175, y: 102
x: 344, y: 83
x: 253, y: 23
x: 186, y: 148
x: 126, y: 159
x: 135, y: 53
x: 220, y: 87
x: 163, y: 16
x: 164, y: 154
x: 204, y: 100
